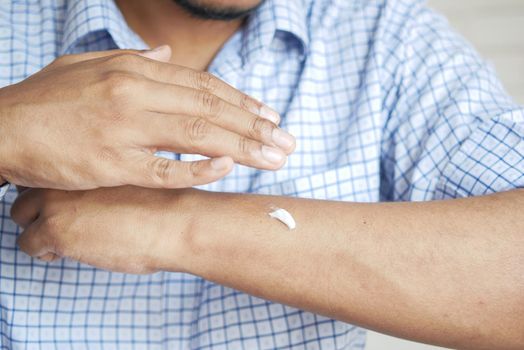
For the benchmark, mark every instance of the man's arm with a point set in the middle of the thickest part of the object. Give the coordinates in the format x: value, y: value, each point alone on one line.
x: 448, y: 273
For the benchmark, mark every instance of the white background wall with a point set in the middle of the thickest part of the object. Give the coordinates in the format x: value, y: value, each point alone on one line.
x: 496, y: 28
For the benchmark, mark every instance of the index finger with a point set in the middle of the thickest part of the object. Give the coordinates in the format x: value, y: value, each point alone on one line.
x: 168, y: 73
x: 155, y: 66
x: 208, y: 82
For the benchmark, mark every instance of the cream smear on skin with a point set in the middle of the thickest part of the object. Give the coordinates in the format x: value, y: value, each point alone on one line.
x: 283, y: 216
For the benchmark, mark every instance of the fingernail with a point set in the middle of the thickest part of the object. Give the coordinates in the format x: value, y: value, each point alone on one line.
x: 272, y: 155
x: 283, y: 139
x: 221, y: 163
x: 269, y: 114
x: 158, y: 48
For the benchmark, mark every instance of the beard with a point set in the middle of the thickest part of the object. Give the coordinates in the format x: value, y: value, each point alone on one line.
x: 199, y: 9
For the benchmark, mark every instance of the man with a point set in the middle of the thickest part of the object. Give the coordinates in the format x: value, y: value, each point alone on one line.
x: 386, y: 104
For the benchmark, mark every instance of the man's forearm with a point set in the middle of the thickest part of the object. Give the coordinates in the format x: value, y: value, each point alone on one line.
x: 448, y: 273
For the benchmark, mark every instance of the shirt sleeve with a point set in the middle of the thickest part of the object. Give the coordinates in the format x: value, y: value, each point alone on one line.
x: 452, y: 130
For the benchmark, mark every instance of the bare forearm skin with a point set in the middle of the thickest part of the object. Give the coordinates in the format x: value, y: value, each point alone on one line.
x: 449, y: 273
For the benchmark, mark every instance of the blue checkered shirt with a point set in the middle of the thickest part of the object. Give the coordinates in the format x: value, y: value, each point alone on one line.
x: 386, y: 102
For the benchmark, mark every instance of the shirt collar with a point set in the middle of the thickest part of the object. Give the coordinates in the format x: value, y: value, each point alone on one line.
x: 85, y: 17
x: 288, y: 17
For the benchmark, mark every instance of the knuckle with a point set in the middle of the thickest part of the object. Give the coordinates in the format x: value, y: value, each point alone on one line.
x: 197, y: 129
x: 205, y: 81
x: 211, y: 104
x: 119, y: 86
x: 244, y: 146
x: 250, y: 104
x: 154, y: 69
x: 260, y: 127
x: 107, y: 154
x: 117, y: 80
x: 162, y: 173
x: 194, y: 169
x: 123, y: 60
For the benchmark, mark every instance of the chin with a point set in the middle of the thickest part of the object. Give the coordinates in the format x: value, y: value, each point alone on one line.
x: 219, y: 9
x: 240, y: 4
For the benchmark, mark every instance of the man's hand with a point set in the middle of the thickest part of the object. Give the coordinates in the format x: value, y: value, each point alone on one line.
x: 96, y: 120
x: 126, y: 229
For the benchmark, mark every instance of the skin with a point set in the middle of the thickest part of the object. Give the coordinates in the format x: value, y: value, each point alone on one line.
x: 195, y: 41
x: 447, y: 273
x: 103, y: 125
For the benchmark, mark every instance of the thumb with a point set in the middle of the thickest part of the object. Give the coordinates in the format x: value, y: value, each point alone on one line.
x: 161, y: 53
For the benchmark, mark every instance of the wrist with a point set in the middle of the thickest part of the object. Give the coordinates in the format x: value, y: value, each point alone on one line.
x: 5, y: 133
x: 211, y: 237
x: 177, y: 224
x: 203, y: 220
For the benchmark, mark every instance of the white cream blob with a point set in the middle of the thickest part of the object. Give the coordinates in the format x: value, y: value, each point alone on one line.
x: 283, y: 216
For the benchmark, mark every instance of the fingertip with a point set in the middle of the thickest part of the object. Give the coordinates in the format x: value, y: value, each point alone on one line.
x: 278, y: 166
x: 48, y: 257
x: 161, y: 53
x: 284, y: 140
x: 292, y: 148
x: 222, y: 164
x: 270, y: 114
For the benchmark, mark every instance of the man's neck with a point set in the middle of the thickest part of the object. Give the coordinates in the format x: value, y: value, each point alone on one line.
x: 194, y: 42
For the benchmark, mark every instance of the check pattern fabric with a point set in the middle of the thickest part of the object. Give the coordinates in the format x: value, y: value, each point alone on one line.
x: 387, y: 104
x: 3, y: 189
